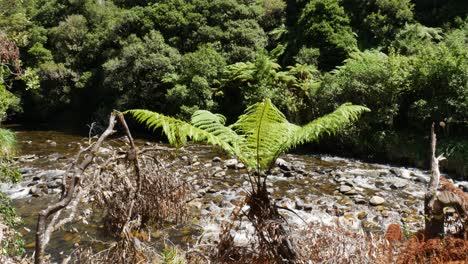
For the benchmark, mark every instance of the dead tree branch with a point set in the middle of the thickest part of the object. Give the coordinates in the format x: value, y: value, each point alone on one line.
x: 441, y: 194
x: 43, y: 230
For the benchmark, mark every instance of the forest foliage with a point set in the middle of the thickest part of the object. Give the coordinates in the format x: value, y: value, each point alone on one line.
x: 406, y: 60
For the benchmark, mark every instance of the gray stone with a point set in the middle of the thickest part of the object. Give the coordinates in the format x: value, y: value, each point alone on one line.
x: 376, y: 200
x: 52, y: 174
x: 303, y: 206
x: 421, y: 178
x: 398, y: 185
x: 283, y: 165
x: 51, y: 143
x: 240, y: 166
x: 345, y: 189
x: 54, y: 184
x: 220, y: 173
x: 402, y: 173
x: 216, y: 159
x: 38, y: 190
x: 231, y: 163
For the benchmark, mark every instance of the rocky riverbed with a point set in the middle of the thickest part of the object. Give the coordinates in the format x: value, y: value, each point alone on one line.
x: 315, y: 188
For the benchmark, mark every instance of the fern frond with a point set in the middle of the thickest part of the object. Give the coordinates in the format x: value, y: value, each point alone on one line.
x: 265, y: 129
x: 178, y: 131
x: 215, y: 124
x: 326, y: 125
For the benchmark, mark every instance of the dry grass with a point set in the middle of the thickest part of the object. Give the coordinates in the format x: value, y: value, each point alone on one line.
x: 435, y: 251
x: 161, y: 200
x: 333, y: 244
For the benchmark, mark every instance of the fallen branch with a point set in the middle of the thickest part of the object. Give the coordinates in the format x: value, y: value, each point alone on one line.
x: 44, y: 229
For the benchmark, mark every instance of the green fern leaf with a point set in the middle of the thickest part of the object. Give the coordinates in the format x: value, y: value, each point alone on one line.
x: 265, y: 129
x: 326, y: 125
x: 178, y: 131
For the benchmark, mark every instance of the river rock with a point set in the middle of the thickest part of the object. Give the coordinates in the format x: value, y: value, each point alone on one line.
x: 345, y: 188
x: 231, y: 163
x: 420, y: 178
x: 26, y: 158
x: 52, y: 174
x: 376, y: 200
x: 303, y: 206
x: 216, y: 159
x: 361, y: 215
x: 359, y: 199
x: 240, y: 166
x: 402, y: 173
x: 38, y: 190
x: 275, y: 171
x: 51, y: 143
x: 283, y: 165
x: 54, y: 184
x: 25, y: 171
x: 399, y: 184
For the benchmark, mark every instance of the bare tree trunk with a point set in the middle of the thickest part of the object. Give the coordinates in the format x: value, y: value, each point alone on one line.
x: 440, y: 194
x: 433, y: 209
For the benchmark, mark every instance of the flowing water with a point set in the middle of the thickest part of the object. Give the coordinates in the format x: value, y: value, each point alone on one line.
x: 315, y: 187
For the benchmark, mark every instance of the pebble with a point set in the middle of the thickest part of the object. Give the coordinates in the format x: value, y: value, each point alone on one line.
x: 345, y: 188
x: 376, y: 200
x: 231, y: 163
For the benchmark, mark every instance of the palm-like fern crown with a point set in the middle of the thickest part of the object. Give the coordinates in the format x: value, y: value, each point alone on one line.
x: 258, y: 137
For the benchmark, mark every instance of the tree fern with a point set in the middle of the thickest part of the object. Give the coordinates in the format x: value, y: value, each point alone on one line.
x: 258, y: 137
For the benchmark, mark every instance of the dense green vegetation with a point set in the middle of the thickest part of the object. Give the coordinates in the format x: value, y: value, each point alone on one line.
x: 405, y: 60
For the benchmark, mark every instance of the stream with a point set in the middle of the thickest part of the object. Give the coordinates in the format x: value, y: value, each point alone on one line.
x: 328, y: 189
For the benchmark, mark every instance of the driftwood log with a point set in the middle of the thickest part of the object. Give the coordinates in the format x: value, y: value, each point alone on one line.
x: 441, y: 194
x: 74, y: 192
